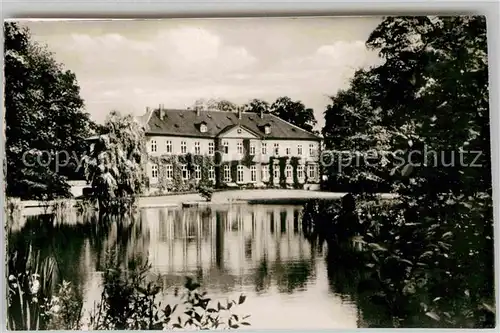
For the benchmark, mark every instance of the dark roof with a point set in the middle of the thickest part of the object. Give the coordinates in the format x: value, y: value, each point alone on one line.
x: 186, y: 123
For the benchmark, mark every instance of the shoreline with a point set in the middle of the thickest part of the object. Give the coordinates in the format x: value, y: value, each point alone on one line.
x: 250, y: 196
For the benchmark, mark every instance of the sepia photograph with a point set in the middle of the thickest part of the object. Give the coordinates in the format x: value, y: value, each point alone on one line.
x: 294, y: 173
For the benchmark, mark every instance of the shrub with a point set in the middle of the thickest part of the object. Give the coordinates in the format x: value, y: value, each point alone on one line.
x: 206, y: 190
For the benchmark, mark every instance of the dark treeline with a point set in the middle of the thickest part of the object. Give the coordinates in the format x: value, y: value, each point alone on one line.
x: 430, y: 252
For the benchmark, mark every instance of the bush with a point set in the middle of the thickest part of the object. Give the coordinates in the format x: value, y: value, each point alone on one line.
x: 129, y: 303
x: 206, y: 191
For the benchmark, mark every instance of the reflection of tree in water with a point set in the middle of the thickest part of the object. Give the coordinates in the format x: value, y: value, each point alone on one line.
x: 293, y: 275
x: 125, y: 236
x: 41, y: 242
x: 348, y: 277
x: 262, y: 279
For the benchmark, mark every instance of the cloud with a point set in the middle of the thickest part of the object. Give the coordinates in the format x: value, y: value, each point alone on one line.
x: 134, y: 65
x: 182, y: 52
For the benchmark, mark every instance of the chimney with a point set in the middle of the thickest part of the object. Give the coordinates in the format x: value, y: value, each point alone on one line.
x: 239, y: 113
x: 147, y: 109
x: 261, y: 113
x: 198, y: 111
x: 162, y: 112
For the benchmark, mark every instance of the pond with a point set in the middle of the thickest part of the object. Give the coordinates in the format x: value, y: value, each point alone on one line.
x: 259, y: 250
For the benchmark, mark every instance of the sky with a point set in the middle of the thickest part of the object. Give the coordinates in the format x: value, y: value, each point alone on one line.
x: 128, y: 65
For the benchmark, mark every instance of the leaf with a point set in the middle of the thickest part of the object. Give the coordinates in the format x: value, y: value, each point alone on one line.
x: 406, y: 171
x: 432, y: 315
x: 406, y: 261
x: 168, y: 311
x: 376, y: 247
x: 426, y: 254
x: 489, y: 308
x: 241, y: 299
x: 447, y: 235
x: 245, y: 323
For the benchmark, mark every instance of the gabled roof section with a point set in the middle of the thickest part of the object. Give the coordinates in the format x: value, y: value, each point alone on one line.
x: 231, y: 127
x: 177, y: 122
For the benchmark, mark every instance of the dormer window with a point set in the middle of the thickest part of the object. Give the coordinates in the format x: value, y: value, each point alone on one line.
x: 203, y: 127
x: 267, y: 129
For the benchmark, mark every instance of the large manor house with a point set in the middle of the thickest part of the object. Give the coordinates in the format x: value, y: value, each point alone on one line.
x: 229, y: 149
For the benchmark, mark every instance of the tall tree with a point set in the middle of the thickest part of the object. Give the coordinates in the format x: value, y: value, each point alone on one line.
x: 429, y: 102
x: 256, y: 105
x: 294, y: 112
x: 45, y: 121
x: 115, y: 165
x: 215, y: 104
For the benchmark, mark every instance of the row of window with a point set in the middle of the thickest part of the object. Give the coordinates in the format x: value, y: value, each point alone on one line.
x: 225, y: 148
x: 169, y: 172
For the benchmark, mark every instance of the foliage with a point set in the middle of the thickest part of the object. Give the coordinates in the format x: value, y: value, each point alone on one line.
x: 129, y: 302
x: 63, y: 311
x: 282, y: 165
x: 294, y: 112
x: 215, y: 104
x: 29, y: 284
x: 294, y: 162
x: 206, y: 190
x: 271, y: 170
x: 256, y: 105
x: 115, y: 166
x: 430, y: 252
x: 44, y: 119
x: 13, y: 210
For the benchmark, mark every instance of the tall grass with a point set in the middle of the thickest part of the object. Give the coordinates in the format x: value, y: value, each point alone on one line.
x: 30, y: 284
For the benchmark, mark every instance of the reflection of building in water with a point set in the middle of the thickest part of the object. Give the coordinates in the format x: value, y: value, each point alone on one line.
x: 228, y: 245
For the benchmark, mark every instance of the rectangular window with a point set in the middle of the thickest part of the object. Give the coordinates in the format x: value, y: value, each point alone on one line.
x: 253, y: 173
x: 276, y: 171
x: 239, y: 147
x: 252, y: 149
x: 211, y: 173
x: 169, y: 171
x: 276, y: 149
x: 300, y: 171
x: 185, y: 172
x: 168, y: 147
x: 211, y: 148
x: 265, y: 172
x: 197, y: 172
x: 288, y: 150
x: 239, y: 171
x: 264, y: 148
x: 154, y: 173
x: 153, y: 146
x: 225, y: 145
x: 312, y: 171
x: 299, y: 150
x: 311, y: 149
x: 183, y: 147
x: 288, y: 172
x: 197, y: 150
x: 227, y: 173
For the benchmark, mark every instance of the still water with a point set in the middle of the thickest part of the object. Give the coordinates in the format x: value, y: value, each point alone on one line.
x: 258, y: 250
